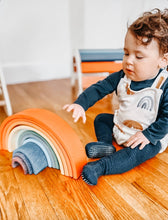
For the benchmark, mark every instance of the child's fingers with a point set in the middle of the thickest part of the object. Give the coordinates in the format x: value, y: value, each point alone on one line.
x: 78, y: 111
x: 84, y: 118
x: 135, y: 144
x: 76, y: 119
x: 131, y: 141
x: 77, y: 115
x: 75, y: 112
x: 65, y: 106
x: 69, y: 108
x: 142, y: 146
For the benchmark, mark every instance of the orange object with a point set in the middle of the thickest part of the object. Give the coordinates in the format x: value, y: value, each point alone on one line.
x: 62, y: 136
x: 90, y: 80
x: 96, y: 67
x: 118, y: 147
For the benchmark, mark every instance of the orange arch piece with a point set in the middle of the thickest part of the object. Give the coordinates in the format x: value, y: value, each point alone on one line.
x: 63, y: 137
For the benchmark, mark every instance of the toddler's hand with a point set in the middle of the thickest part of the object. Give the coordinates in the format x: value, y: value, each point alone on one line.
x: 78, y: 111
x: 137, y: 139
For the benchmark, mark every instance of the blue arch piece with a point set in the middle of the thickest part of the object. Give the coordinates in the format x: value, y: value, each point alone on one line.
x: 33, y: 154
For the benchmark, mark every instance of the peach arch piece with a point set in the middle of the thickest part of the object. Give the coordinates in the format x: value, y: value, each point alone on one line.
x: 62, y: 138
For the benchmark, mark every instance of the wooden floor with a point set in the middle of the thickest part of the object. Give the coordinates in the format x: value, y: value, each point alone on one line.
x: 141, y: 193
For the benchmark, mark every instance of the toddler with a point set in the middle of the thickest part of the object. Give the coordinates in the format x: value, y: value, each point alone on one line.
x: 140, y: 124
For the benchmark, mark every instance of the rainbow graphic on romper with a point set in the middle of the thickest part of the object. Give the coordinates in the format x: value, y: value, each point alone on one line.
x: 146, y: 103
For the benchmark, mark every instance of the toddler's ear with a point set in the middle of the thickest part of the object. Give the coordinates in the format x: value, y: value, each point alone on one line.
x: 164, y: 61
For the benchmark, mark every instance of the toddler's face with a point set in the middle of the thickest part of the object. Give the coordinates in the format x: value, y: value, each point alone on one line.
x: 140, y: 62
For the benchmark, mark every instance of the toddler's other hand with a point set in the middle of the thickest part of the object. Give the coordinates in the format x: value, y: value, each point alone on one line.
x: 78, y: 111
x: 136, y: 139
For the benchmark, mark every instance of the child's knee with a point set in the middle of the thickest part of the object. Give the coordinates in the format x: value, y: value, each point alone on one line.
x: 99, y: 118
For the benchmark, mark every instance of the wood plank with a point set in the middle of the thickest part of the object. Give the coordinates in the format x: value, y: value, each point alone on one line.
x: 112, y: 200
x: 12, y: 205
x: 163, y: 156
x: 154, y: 184
x: 34, y: 196
x: 71, y: 199
x: 158, y: 165
x: 146, y: 207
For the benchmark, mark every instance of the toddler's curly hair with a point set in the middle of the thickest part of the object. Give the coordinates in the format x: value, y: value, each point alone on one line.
x: 152, y: 24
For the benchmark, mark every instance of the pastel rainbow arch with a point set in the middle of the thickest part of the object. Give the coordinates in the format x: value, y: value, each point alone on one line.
x: 59, y: 142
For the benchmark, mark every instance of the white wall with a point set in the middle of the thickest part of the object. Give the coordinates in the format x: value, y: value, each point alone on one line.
x: 76, y: 18
x: 105, y: 22
x: 37, y: 36
x: 34, y: 39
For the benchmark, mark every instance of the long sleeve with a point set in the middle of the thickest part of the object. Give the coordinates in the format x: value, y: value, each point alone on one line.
x: 98, y: 90
x: 157, y: 130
